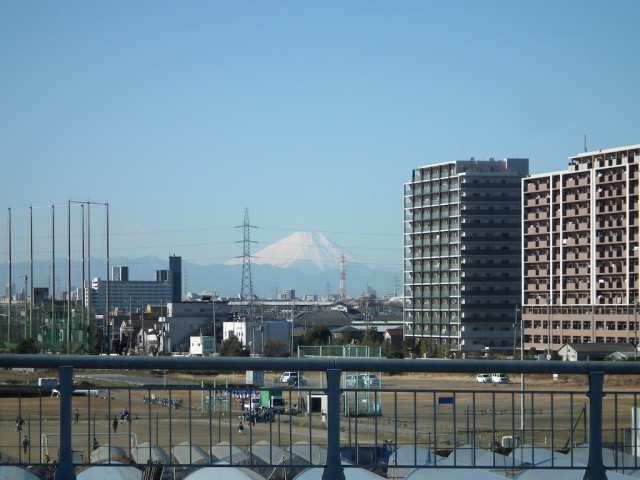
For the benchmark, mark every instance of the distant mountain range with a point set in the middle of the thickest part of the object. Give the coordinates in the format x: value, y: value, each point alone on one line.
x: 300, y: 250
x: 305, y: 261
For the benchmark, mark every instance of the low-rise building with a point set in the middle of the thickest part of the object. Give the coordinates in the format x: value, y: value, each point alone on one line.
x: 573, y: 352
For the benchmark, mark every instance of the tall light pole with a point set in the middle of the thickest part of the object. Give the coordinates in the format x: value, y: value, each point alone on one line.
x: 25, y: 278
x: 215, y: 338
x: 10, y: 280
x: 635, y: 330
x: 549, y: 327
x: 521, y: 374
x: 292, y: 322
x: 144, y: 334
x: 515, y: 331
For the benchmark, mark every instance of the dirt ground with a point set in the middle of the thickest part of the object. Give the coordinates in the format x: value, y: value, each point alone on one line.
x: 411, y: 412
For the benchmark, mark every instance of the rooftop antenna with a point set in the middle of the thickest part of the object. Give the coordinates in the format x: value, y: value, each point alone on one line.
x: 585, y: 142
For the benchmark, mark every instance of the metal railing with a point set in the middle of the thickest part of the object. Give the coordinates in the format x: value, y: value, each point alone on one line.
x: 168, y: 426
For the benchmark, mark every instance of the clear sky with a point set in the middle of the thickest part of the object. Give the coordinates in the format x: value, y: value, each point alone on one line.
x: 310, y: 114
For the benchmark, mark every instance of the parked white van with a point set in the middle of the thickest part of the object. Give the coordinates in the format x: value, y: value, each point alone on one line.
x: 499, y: 378
x: 352, y: 381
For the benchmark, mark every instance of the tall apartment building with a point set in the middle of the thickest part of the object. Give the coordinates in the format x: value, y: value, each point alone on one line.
x: 462, y: 253
x: 580, y: 251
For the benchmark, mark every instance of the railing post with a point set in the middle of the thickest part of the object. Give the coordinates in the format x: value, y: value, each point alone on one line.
x: 65, y: 469
x: 333, y: 470
x: 595, y: 466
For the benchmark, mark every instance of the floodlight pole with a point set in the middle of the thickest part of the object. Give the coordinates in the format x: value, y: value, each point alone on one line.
x: 10, y: 278
x: 549, y: 328
x: 635, y: 331
x: 521, y: 374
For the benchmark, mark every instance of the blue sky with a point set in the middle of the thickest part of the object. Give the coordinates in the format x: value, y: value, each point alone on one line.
x: 310, y: 114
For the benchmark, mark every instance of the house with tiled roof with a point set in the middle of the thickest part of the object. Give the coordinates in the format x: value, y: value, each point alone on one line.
x: 394, y: 336
x: 596, y: 351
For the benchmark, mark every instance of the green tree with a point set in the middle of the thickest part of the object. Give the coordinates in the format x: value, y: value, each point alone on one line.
x: 388, y: 352
x: 317, y: 336
x: 26, y: 346
x: 344, y: 339
x: 372, y: 337
x: 232, y: 347
x: 410, y: 347
x: 428, y: 348
x: 274, y: 348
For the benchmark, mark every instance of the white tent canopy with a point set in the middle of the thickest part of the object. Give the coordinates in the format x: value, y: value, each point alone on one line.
x: 265, y: 453
x: 431, y: 473
x: 232, y: 454
x: 275, y: 455
x: 614, y: 460
x: 408, y: 455
x: 468, y: 455
x: 228, y: 473
x: 310, y: 453
x: 110, y: 472
x: 349, y: 474
x: 146, y: 452
x: 188, y: 453
x: 9, y: 472
x: 106, y: 453
x: 528, y: 454
x: 411, y: 454
x: 544, y: 471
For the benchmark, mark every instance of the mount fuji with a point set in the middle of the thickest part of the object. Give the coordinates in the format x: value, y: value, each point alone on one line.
x: 302, y: 250
x: 305, y: 261
x: 310, y: 263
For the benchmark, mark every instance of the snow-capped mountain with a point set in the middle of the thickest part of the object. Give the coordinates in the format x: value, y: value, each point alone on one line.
x: 301, y: 250
x: 305, y: 261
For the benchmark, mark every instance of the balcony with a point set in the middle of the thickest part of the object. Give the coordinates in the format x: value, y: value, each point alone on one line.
x: 177, y: 427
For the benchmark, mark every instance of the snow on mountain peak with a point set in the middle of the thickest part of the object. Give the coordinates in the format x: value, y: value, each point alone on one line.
x: 300, y: 248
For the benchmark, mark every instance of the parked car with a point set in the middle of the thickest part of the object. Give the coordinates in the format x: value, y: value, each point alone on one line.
x: 296, y: 380
x: 292, y: 379
x: 499, y: 378
x: 352, y: 381
x: 369, y: 380
x: 284, y: 378
x: 483, y: 378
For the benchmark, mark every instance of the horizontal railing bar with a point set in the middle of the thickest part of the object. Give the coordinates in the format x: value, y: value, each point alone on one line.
x: 318, y: 364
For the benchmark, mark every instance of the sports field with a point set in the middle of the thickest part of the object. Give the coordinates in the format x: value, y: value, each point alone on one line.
x: 429, y: 410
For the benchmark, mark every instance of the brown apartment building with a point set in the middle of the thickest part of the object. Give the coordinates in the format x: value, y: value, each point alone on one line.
x: 580, y: 251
